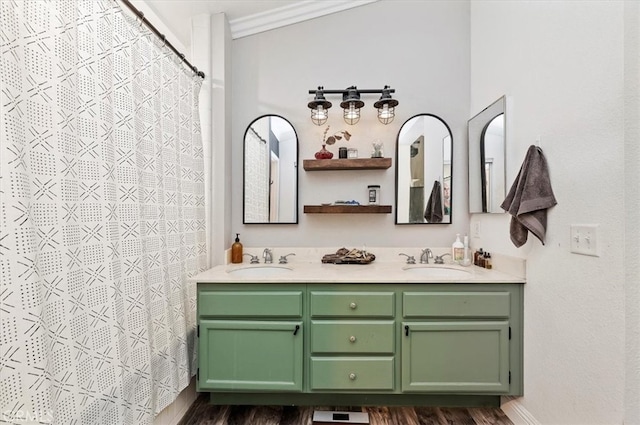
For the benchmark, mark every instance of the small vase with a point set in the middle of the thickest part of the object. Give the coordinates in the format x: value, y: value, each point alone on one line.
x: 323, y: 153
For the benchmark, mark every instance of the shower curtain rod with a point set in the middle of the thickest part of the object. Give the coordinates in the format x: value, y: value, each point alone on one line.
x: 153, y: 29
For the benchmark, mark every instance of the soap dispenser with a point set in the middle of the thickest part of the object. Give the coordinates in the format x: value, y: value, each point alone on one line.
x: 457, y: 250
x: 236, y: 250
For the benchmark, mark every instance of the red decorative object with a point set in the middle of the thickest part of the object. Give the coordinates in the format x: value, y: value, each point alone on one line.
x: 323, y: 153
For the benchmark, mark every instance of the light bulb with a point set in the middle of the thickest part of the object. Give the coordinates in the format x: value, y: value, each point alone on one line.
x: 352, y: 114
x: 386, y: 114
x: 319, y: 115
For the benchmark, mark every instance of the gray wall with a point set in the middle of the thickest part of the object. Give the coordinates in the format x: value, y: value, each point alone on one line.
x: 562, y: 62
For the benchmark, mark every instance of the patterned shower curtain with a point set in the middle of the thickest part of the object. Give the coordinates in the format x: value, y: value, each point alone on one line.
x: 102, y: 216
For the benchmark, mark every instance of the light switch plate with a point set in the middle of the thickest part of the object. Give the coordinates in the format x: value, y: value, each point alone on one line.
x: 476, y: 229
x: 584, y: 239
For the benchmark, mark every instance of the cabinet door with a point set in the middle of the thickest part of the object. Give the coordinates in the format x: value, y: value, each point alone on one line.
x: 250, y: 355
x: 461, y: 357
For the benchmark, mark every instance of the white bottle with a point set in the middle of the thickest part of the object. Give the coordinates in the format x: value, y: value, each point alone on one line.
x: 457, y: 250
x: 466, y: 259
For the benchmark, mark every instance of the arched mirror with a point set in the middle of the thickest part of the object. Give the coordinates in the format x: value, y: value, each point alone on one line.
x: 423, y: 171
x: 270, y: 171
x: 487, y: 153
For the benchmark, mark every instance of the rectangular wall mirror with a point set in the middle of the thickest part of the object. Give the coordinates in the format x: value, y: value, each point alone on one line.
x: 487, y: 158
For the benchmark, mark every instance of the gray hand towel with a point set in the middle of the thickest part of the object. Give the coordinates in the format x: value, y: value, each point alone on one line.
x: 433, y: 211
x: 529, y: 198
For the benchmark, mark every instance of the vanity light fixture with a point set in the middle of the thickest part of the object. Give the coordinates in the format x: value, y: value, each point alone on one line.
x: 319, y: 107
x: 351, y: 104
x: 386, y: 106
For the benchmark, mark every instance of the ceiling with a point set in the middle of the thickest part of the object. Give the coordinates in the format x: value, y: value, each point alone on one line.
x: 245, y: 17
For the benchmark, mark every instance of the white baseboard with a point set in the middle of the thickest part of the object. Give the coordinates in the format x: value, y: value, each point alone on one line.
x: 516, y: 411
x: 180, y: 412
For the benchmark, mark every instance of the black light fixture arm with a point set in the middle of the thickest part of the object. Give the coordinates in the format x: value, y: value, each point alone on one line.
x: 365, y: 91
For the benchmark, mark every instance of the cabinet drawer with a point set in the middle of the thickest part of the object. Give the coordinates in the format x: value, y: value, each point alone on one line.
x: 456, y: 304
x: 352, y: 304
x: 250, y: 303
x: 355, y: 373
x: 352, y: 337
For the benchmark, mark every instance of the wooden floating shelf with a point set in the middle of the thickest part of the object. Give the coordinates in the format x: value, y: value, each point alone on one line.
x: 346, y: 164
x: 347, y: 209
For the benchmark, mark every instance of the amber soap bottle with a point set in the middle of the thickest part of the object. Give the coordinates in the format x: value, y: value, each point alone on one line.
x: 236, y: 250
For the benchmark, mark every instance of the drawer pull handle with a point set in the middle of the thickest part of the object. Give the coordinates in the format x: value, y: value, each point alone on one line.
x: 353, y: 306
x: 406, y: 330
x: 352, y: 376
x: 352, y: 338
x: 295, y: 331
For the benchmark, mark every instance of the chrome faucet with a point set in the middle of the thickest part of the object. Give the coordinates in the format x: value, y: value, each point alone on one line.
x: 283, y: 258
x: 254, y: 259
x: 410, y: 258
x: 439, y: 260
x: 268, y: 257
x: 426, y: 254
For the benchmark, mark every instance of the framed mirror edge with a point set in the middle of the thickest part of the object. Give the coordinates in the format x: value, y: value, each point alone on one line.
x: 502, y: 99
x: 297, y: 179
x: 505, y: 103
x: 451, y: 168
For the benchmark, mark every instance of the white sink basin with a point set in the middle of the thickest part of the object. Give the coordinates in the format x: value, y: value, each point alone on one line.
x: 439, y: 272
x: 259, y: 271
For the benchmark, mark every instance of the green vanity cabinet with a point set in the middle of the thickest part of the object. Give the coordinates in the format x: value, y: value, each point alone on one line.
x: 250, y: 339
x: 453, y: 344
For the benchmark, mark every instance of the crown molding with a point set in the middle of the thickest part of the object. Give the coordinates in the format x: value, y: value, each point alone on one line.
x: 288, y: 15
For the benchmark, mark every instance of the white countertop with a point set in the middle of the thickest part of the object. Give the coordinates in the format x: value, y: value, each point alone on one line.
x: 376, y: 272
x: 305, y: 267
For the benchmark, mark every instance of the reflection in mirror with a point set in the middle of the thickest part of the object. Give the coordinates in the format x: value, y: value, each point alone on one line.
x: 270, y: 171
x: 423, y: 171
x: 487, y: 152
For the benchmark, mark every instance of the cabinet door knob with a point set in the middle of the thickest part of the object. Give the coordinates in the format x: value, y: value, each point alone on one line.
x: 352, y: 338
x: 353, y: 306
x: 352, y: 376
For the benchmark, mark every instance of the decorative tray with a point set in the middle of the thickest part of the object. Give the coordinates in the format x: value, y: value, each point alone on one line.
x: 346, y: 256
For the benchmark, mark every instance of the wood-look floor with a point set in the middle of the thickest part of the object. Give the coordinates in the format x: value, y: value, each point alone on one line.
x: 202, y: 413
